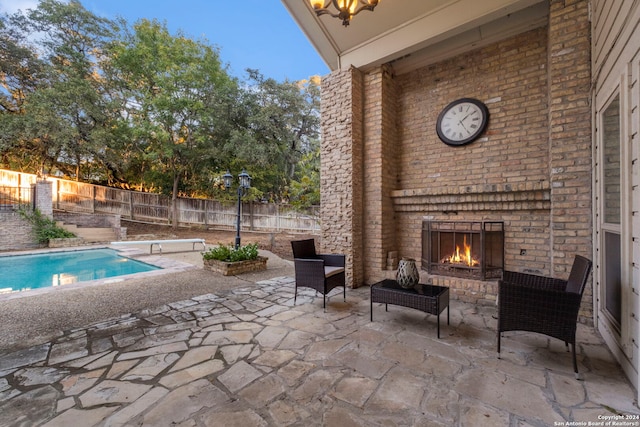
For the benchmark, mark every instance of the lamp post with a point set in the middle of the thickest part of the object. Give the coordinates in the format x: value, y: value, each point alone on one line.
x: 244, y: 182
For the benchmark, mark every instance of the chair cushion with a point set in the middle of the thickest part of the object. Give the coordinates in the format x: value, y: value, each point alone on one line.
x: 332, y: 271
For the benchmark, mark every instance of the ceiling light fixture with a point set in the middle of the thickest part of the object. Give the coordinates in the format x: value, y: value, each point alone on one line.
x: 345, y: 9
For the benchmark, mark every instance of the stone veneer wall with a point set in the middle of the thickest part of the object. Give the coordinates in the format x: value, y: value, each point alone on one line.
x: 341, y: 170
x: 531, y: 169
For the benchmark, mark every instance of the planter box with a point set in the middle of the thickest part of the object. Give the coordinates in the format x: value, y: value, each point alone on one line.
x: 235, y: 268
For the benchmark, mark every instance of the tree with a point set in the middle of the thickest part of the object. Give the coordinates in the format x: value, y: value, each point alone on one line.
x: 180, y: 103
x: 305, y: 188
x: 64, y: 112
x: 20, y: 74
x: 20, y: 68
x: 281, y: 125
x: 139, y: 107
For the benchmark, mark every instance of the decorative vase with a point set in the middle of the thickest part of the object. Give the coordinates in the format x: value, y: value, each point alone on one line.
x: 407, y: 275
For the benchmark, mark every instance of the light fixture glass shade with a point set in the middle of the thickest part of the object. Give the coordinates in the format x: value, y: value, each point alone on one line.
x: 244, y: 179
x: 347, y: 5
x: 227, y: 178
x: 344, y: 9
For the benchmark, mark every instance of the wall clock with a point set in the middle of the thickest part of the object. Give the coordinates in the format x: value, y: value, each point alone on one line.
x: 462, y: 121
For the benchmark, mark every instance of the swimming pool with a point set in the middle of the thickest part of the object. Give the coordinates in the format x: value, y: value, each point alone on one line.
x: 23, y: 272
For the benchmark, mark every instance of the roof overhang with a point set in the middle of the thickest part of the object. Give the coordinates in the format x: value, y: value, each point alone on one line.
x: 415, y: 33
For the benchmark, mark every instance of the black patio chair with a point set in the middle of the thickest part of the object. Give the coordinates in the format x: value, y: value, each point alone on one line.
x: 321, y: 272
x: 545, y: 305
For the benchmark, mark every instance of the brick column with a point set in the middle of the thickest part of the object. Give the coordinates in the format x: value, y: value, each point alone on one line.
x: 570, y: 136
x: 380, y: 171
x: 341, y: 169
x: 44, y: 201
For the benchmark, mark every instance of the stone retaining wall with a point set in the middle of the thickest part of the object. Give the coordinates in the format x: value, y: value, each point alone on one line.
x: 66, y: 242
x: 93, y: 220
x: 16, y: 232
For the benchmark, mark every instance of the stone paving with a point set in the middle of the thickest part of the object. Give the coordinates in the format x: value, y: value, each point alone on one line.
x: 251, y: 358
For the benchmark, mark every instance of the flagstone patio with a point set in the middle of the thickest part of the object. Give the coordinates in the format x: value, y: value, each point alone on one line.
x: 249, y: 357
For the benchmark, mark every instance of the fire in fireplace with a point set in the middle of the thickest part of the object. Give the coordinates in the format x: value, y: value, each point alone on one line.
x: 468, y: 249
x: 466, y: 258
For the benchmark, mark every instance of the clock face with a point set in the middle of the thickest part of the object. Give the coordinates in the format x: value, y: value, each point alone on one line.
x: 462, y: 121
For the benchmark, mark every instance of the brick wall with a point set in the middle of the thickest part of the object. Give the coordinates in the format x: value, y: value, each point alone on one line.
x: 510, y: 77
x: 570, y: 138
x: 531, y: 169
x: 380, y: 173
x: 502, y: 176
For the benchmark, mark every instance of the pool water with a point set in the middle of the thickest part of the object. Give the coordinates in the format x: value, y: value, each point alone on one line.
x: 23, y: 272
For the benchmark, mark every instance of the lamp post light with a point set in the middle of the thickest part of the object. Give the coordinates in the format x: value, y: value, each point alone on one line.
x: 244, y: 182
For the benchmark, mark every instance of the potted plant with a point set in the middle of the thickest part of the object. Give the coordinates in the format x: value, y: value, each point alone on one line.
x: 229, y: 261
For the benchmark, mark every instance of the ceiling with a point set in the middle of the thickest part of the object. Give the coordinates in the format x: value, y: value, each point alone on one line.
x: 414, y: 33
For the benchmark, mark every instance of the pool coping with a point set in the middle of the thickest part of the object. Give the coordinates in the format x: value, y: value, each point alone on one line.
x: 165, y: 264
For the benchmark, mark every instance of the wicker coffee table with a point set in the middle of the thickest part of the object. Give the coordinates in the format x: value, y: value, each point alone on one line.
x: 427, y: 298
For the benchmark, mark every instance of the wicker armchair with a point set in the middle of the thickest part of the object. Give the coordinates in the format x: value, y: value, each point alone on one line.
x: 543, y: 304
x: 322, y: 272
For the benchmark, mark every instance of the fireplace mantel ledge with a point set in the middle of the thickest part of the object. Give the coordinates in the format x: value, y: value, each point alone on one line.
x: 520, y: 196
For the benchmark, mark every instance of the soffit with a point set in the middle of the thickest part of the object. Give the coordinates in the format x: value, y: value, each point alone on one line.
x: 413, y: 33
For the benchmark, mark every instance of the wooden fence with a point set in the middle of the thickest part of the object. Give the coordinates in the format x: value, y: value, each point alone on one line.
x: 75, y: 196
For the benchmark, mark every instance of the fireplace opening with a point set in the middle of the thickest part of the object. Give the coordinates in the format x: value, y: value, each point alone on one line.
x: 469, y: 249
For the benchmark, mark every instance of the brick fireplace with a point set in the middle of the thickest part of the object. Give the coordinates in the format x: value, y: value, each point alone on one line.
x: 512, y: 222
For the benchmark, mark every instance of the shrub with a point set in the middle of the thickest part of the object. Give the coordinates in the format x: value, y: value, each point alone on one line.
x: 44, y: 227
x: 230, y: 254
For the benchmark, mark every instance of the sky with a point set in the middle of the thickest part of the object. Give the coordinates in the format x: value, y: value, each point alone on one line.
x: 249, y: 34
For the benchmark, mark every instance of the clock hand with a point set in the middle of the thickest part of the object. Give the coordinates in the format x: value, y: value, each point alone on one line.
x: 463, y: 126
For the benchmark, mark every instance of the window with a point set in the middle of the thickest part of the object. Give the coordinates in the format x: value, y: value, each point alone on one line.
x: 610, y: 208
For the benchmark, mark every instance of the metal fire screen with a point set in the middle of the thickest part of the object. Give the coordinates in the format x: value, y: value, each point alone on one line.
x: 468, y: 249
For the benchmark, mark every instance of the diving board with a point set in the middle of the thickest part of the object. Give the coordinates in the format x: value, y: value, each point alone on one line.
x: 151, y: 243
